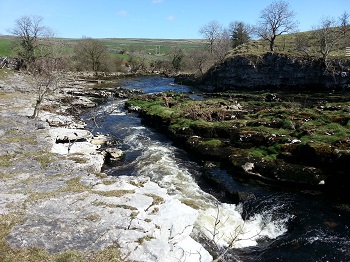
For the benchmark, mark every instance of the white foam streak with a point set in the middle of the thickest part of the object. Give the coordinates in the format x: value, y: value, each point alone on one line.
x: 158, y: 163
x: 225, y: 226
x: 136, y: 140
x: 219, y: 222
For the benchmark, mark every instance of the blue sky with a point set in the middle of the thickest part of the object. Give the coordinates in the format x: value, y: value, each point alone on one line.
x: 170, y: 19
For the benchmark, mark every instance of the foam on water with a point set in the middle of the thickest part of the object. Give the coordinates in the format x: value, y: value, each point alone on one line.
x: 222, y: 223
x: 326, y: 237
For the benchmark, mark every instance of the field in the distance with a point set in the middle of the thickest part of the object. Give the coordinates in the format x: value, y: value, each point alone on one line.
x: 154, y: 47
x: 162, y: 48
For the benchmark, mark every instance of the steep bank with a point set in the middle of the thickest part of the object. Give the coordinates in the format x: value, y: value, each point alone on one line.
x: 274, y: 71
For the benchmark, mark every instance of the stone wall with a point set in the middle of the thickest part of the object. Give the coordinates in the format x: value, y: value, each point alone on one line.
x: 272, y: 70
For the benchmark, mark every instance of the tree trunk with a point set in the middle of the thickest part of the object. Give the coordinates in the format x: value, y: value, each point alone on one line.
x: 36, y: 109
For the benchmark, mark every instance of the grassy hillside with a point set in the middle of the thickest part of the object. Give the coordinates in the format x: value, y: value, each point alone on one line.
x: 287, y: 43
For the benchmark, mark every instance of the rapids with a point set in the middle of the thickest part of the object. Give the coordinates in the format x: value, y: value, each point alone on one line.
x: 275, y: 225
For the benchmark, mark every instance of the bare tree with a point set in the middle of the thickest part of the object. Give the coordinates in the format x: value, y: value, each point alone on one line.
x: 177, y: 57
x: 326, y: 36
x: 211, y: 32
x: 198, y: 61
x: 137, y: 64
x: 31, y: 32
x: 222, y: 46
x: 91, y: 52
x: 344, y: 23
x: 47, y: 72
x: 276, y: 19
x: 216, y: 234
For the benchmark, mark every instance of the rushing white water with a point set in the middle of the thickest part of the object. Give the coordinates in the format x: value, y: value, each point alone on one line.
x: 219, y: 222
x: 316, y: 230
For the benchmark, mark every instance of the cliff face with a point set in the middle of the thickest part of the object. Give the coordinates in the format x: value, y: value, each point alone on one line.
x: 272, y: 70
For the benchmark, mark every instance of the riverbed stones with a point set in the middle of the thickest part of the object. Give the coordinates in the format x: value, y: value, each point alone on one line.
x: 113, y: 155
x: 69, y: 135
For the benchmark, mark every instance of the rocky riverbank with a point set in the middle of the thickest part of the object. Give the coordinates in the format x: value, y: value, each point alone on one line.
x: 298, y: 140
x: 55, y: 201
x: 273, y: 71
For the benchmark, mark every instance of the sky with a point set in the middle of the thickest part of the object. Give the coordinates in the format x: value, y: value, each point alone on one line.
x: 162, y: 19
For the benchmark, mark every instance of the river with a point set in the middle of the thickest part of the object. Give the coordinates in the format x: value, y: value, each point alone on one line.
x: 275, y: 224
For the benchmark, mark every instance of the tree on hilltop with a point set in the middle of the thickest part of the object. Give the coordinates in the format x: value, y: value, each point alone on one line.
x: 211, y: 32
x: 222, y: 46
x: 326, y: 35
x: 239, y: 33
x: 276, y: 19
x: 344, y: 23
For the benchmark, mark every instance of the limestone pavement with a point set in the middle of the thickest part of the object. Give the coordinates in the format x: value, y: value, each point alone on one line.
x: 51, y: 180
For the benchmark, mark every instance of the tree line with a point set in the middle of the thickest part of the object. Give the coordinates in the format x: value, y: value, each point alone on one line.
x: 275, y: 20
x: 37, y: 42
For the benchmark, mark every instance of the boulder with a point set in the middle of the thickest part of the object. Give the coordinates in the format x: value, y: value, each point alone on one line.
x: 99, y: 140
x: 113, y: 155
x: 68, y: 135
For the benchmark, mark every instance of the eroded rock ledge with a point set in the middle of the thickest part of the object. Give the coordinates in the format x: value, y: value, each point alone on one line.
x: 273, y: 71
x: 291, y: 139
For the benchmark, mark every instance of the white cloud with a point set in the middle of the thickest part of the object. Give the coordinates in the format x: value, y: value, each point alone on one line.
x: 122, y: 13
x: 170, y: 18
x: 157, y: 1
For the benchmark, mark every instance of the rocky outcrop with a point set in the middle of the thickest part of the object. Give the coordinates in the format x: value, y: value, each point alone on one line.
x: 10, y: 63
x: 272, y: 70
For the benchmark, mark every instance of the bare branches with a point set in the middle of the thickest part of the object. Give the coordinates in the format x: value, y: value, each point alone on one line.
x: 344, y: 23
x: 211, y: 32
x: 30, y: 31
x: 275, y: 20
x: 91, y: 52
x: 224, y: 232
x: 327, y: 36
x: 47, y: 74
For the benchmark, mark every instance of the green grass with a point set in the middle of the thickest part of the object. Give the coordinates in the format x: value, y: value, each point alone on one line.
x: 265, y: 153
x: 6, y: 49
x: 212, y: 143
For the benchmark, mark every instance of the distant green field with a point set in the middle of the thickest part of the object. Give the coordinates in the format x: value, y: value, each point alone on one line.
x: 153, y: 47
x: 158, y: 47
x: 161, y: 48
x: 6, y: 49
x: 150, y: 44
